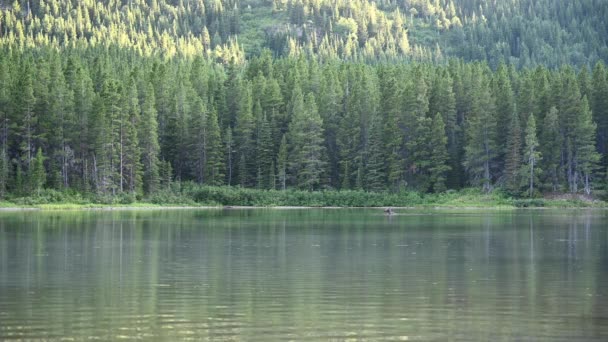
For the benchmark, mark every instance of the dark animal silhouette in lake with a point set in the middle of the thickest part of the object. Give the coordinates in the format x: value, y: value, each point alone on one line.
x: 389, y: 211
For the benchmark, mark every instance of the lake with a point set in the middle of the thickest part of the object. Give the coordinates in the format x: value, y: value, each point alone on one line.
x: 326, y: 274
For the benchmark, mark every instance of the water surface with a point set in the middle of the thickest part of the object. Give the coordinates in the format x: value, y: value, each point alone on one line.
x: 334, y: 274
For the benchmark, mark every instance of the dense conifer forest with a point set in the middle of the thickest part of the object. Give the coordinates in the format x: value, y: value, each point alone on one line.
x: 136, y: 97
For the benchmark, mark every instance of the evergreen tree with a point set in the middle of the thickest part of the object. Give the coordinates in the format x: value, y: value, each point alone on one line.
x: 282, y: 163
x: 374, y: 168
x: 530, y: 170
x: 148, y: 141
x: 505, y: 110
x: 443, y: 100
x: 215, y: 161
x: 244, y: 139
x: 393, y: 135
x: 583, y: 146
x: 130, y: 151
x: 306, y: 142
x: 198, y: 141
x: 28, y: 119
x: 513, y: 155
x: 551, y: 142
x: 439, y: 157
x: 37, y: 173
x: 229, y: 155
x: 264, y: 152
x: 480, y: 147
x: 599, y: 108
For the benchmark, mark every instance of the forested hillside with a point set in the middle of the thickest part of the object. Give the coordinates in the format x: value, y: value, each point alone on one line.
x: 128, y: 97
x: 524, y: 33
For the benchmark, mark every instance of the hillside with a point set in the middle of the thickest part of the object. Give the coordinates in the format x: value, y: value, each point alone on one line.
x: 521, y: 32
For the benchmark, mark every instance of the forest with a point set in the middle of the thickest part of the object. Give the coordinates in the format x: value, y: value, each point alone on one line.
x: 138, y: 97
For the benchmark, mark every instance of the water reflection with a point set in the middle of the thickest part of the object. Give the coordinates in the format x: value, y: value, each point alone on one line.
x: 304, y: 274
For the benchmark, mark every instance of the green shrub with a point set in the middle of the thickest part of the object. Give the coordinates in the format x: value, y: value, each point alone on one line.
x: 529, y: 203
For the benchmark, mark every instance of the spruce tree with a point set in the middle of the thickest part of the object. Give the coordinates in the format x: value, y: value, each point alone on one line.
x: 551, y: 143
x: 198, y: 141
x: 214, y: 173
x: 480, y: 147
x: 530, y: 170
x: 375, y: 175
x: 307, y: 146
x: 282, y: 163
x: 131, y: 167
x: 244, y: 139
x: 599, y: 108
x: 587, y: 158
x: 37, y: 173
x: 513, y: 156
x: 439, y: 157
x: 148, y: 141
x: 264, y: 151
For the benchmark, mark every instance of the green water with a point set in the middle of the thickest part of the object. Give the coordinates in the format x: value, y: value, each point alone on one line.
x: 277, y: 275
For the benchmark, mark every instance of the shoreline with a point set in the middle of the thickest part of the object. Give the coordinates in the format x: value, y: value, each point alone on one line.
x: 146, y: 207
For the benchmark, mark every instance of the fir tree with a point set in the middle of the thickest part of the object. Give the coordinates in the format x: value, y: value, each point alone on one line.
x: 37, y: 173
x: 439, y: 157
x: 551, y: 142
x: 282, y: 163
x: 148, y: 141
x: 586, y: 156
x: 306, y: 142
x: 480, y: 148
x: 532, y: 156
x: 513, y: 156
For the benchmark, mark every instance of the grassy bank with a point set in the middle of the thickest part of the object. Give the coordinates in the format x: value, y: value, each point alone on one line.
x: 190, y: 195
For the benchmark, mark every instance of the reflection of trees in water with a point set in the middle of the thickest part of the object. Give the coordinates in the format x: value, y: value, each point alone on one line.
x: 247, y: 267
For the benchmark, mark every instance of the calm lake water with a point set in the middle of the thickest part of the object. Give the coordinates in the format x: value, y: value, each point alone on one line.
x: 334, y: 274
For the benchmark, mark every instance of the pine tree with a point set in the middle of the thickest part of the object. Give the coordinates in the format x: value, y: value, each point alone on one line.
x: 19, y: 187
x: 60, y: 120
x: 115, y: 118
x: 28, y: 118
x: 243, y: 137
x: 330, y: 108
x: 551, y: 143
x: 439, y: 157
x: 374, y: 168
x: 130, y: 155
x: 415, y: 125
x: 532, y: 156
x: 148, y: 141
x: 215, y: 161
x: 586, y: 156
x: 443, y: 100
x: 480, y: 147
x: 505, y: 108
x: 81, y: 85
x: 264, y: 151
x: 198, y: 141
x: 166, y: 175
x: 37, y: 173
x: 230, y: 150
x: 599, y: 108
x: 393, y: 135
x: 513, y: 156
x: 306, y: 142
x: 282, y: 163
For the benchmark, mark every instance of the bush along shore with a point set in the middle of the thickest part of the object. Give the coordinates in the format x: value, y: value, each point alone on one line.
x: 190, y: 195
